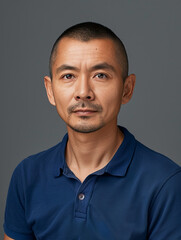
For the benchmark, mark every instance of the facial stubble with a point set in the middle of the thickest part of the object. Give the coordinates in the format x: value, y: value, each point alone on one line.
x: 83, y: 126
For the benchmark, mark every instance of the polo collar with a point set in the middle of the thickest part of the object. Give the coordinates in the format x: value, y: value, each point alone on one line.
x: 60, y: 160
x: 120, y: 162
x: 118, y: 165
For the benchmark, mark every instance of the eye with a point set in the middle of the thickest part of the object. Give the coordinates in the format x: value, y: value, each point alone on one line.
x: 68, y: 76
x: 101, y: 75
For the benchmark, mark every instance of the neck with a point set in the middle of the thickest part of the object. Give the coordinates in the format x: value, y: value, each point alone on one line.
x: 89, y: 152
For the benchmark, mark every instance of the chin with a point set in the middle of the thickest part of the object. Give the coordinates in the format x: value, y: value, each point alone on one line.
x: 85, y: 128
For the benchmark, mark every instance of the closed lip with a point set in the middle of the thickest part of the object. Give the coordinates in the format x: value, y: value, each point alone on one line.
x: 84, y: 110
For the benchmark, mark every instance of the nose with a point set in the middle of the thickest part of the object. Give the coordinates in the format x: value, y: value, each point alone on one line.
x: 83, y: 90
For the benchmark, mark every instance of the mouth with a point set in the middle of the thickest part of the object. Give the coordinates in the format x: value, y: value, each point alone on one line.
x: 84, y: 112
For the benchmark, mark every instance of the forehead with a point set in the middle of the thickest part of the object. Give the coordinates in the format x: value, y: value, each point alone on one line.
x: 72, y: 51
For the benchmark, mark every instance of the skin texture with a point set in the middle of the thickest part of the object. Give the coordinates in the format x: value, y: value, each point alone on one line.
x: 83, y: 88
x: 7, y: 238
x: 87, y: 89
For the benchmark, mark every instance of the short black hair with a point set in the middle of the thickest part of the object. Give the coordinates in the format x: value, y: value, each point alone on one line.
x: 87, y: 31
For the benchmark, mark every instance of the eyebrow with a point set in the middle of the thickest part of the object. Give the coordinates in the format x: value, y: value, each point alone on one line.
x: 66, y: 67
x: 103, y: 65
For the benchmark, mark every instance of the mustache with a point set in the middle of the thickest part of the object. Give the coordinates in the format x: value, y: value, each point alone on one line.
x: 92, y: 106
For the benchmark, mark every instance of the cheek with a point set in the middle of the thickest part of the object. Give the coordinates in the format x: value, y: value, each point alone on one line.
x: 62, y: 95
x: 112, y: 97
x: 63, y: 98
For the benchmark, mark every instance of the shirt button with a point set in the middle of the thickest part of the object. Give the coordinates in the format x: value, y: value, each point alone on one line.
x: 81, y: 196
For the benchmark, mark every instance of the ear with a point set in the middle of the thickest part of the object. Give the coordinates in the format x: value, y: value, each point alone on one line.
x: 48, y: 86
x: 128, y: 88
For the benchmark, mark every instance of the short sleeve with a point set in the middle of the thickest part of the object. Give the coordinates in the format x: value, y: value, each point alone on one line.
x: 15, y: 224
x: 165, y: 212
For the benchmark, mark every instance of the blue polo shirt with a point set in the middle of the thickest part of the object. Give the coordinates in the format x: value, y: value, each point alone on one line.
x: 137, y: 196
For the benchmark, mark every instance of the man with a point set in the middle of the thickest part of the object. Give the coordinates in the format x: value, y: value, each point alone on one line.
x: 99, y: 182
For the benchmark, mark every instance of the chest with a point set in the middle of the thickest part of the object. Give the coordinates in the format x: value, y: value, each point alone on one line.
x: 100, y: 208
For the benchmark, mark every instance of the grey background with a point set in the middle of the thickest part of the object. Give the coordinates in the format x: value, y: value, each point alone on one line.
x: 151, y: 31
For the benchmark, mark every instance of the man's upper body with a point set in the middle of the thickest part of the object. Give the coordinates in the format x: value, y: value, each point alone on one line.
x: 136, y: 196
x: 99, y: 182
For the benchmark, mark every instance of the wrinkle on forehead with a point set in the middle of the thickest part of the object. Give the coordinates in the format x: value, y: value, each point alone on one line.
x: 78, y: 53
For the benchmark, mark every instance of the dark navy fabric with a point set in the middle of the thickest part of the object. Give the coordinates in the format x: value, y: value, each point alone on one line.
x: 137, y: 196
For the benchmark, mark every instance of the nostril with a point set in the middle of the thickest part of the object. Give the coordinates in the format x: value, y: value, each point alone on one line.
x: 83, y: 97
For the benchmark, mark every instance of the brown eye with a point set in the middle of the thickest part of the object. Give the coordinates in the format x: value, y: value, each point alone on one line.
x: 101, y: 75
x: 68, y: 76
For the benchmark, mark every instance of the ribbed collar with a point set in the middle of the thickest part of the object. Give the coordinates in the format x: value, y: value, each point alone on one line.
x: 121, y: 160
x: 117, y: 166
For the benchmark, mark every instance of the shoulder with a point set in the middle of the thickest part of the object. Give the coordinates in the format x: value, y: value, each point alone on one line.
x: 153, y: 159
x: 155, y: 167
x: 39, y: 164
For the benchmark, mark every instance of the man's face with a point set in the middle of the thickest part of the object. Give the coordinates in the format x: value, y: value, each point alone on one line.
x: 87, y: 86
